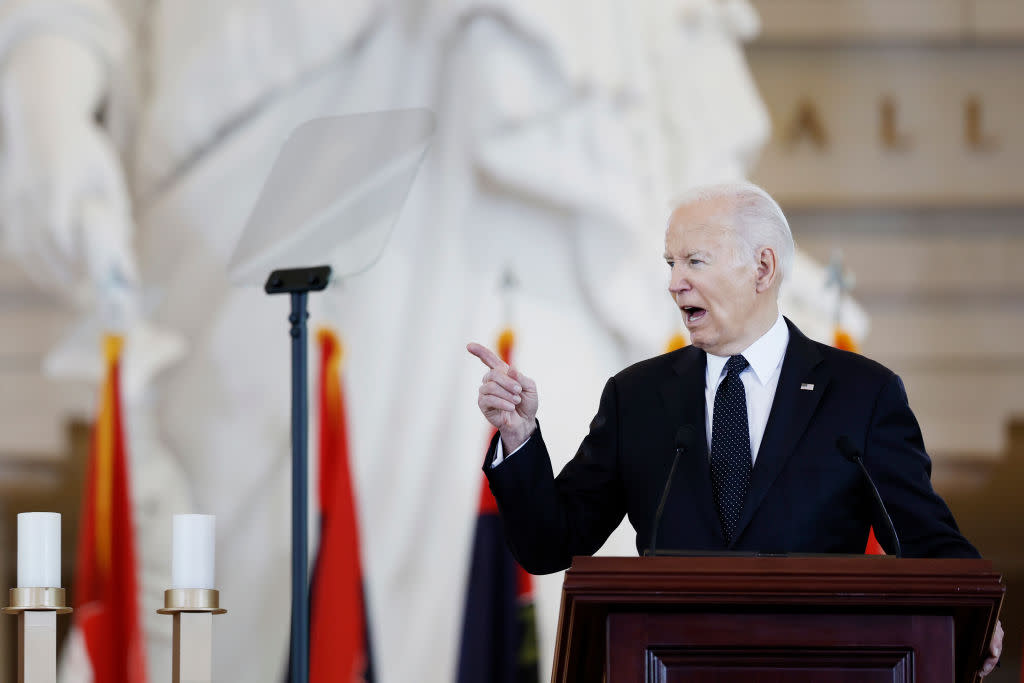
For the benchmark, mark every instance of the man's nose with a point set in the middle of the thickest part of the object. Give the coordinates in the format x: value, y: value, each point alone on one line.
x: 678, y: 282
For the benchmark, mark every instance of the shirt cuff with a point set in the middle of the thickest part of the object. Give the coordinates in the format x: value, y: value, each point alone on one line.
x: 499, y: 452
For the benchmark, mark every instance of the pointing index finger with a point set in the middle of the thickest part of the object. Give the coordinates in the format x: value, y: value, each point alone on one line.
x: 488, y: 357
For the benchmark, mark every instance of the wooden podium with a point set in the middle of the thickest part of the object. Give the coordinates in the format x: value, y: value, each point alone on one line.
x: 768, y: 619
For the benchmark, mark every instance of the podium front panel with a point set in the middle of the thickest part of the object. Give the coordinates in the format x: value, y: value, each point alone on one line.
x: 783, y: 648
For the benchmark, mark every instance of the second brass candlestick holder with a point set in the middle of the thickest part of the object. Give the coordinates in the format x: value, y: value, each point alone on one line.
x: 193, y: 610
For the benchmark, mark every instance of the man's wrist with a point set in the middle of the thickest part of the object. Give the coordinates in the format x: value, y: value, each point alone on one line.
x: 512, y: 439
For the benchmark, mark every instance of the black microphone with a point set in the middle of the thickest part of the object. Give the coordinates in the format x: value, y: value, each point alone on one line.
x: 684, y: 442
x: 853, y: 454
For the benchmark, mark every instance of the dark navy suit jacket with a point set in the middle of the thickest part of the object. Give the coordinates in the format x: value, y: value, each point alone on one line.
x: 804, y: 497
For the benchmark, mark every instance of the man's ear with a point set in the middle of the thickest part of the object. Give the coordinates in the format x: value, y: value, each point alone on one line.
x: 767, y: 269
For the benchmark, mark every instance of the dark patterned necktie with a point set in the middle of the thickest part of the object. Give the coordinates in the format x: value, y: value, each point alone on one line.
x: 730, y: 447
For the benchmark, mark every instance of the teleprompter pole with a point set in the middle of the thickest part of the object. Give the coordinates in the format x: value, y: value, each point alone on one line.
x: 298, y: 282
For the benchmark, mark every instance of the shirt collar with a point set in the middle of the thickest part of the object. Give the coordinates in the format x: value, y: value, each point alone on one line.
x: 764, y: 355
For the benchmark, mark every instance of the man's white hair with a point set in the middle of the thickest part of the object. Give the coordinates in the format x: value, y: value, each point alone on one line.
x: 759, y: 219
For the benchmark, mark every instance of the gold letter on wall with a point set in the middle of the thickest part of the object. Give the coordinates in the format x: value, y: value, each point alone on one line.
x: 806, y: 123
x: 975, y: 138
x: 892, y: 138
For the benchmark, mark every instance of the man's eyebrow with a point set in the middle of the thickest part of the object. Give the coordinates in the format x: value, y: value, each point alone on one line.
x: 688, y: 254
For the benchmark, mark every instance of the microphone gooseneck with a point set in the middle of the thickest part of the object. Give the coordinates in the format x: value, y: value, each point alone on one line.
x: 685, y: 437
x: 852, y: 453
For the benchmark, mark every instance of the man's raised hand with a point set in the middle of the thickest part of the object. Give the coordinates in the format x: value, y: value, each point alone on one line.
x: 507, y: 398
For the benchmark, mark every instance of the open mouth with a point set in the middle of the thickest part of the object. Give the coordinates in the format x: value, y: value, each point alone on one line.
x: 693, y: 314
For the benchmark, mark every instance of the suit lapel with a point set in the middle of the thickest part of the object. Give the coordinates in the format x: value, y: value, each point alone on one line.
x: 790, y: 414
x: 683, y: 394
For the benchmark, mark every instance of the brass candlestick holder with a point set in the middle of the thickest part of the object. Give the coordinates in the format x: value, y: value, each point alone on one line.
x: 37, y: 610
x: 193, y: 610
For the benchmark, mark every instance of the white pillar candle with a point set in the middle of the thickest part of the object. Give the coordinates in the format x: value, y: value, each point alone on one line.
x: 38, y: 550
x: 192, y: 551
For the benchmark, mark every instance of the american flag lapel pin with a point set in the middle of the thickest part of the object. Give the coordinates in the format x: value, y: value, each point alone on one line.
x: 807, y: 387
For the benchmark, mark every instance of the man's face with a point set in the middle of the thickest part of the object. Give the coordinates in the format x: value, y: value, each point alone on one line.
x: 714, y: 279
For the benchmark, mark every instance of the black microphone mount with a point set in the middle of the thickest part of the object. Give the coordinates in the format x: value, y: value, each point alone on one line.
x: 852, y: 453
x: 684, y: 441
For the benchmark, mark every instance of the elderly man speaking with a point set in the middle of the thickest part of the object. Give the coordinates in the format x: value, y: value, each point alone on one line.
x: 764, y: 405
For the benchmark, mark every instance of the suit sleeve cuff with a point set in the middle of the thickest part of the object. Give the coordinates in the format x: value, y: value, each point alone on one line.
x: 499, y: 452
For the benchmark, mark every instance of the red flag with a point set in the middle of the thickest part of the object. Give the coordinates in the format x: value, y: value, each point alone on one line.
x: 106, y: 587
x: 873, y: 547
x: 845, y: 341
x: 675, y: 342
x: 339, y: 637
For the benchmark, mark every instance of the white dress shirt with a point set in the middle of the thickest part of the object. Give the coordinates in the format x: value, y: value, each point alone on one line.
x: 760, y: 379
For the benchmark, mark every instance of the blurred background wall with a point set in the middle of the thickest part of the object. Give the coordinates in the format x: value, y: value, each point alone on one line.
x: 896, y: 141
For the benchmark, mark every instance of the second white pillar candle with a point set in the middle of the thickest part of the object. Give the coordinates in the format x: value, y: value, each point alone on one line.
x: 38, y: 550
x: 192, y: 549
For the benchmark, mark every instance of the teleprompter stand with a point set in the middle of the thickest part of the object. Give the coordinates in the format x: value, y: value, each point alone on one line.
x: 332, y: 196
x: 299, y: 282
